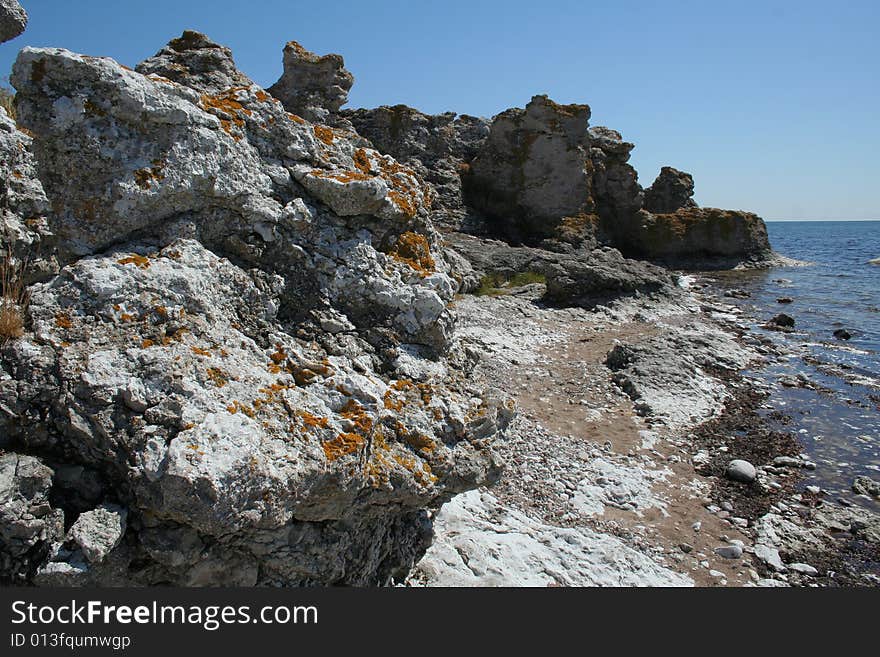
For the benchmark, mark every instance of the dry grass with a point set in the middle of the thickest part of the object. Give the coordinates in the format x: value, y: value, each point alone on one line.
x: 14, y: 297
x: 6, y: 101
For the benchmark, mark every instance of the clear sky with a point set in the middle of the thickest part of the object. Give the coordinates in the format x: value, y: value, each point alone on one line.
x: 772, y: 105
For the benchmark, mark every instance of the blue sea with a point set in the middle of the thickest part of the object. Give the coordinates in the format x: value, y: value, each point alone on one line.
x: 839, y: 425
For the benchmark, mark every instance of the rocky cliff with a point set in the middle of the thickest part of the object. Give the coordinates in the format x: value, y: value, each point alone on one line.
x: 237, y: 360
x: 244, y: 367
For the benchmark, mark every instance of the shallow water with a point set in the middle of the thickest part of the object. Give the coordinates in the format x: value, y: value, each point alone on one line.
x: 840, y: 428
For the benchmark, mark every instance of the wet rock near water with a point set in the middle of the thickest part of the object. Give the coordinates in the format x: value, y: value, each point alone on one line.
x: 781, y: 322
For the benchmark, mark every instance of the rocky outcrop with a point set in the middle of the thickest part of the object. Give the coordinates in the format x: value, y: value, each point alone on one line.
x: 13, y: 19
x: 671, y: 191
x: 701, y: 238
x: 532, y: 177
x: 249, y: 339
x: 24, y: 229
x: 438, y: 147
x: 312, y: 86
x: 29, y: 526
x: 195, y: 61
x: 616, y: 184
x: 484, y: 543
x: 577, y: 278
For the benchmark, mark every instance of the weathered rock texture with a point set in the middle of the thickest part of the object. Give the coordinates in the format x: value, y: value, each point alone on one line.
x: 533, y: 173
x: 579, y: 278
x: 24, y: 229
x: 311, y: 86
x: 197, y: 62
x: 249, y: 338
x: 438, y: 147
x: 13, y: 19
x: 702, y: 237
x: 540, y: 176
x: 671, y: 191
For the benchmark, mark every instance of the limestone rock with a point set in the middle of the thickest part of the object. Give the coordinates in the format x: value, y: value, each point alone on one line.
x: 438, y: 147
x: 580, y: 278
x: 480, y: 542
x: 742, y: 471
x: 311, y: 86
x: 28, y: 523
x: 13, y: 19
x: 866, y: 486
x: 534, y: 171
x: 249, y: 339
x: 700, y: 237
x: 24, y: 229
x: 195, y: 61
x: 97, y: 532
x: 671, y: 191
x: 619, y: 196
x: 666, y: 375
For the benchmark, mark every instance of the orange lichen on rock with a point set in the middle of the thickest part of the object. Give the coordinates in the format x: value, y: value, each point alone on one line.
x: 141, y: 262
x: 62, y: 320
x: 413, y: 249
x: 344, y: 176
x: 295, y: 118
x: 145, y: 177
x: 217, y: 376
x: 312, y: 421
x: 198, y: 351
x: 228, y: 109
x: 237, y: 406
x: 147, y: 343
x: 362, y: 161
x: 343, y: 445
x: 324, y: 133
x: 301, y: 52
x: 361, y: 421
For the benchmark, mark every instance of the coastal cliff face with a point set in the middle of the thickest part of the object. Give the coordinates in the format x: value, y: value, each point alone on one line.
x: 243, y: 372
x: 238, y: 361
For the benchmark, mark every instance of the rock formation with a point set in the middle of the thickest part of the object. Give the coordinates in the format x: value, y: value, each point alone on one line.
x: 541, y: 176
x: 13, y: 19
x: 438, y: 147
x: 239, y: 363
x: 311, y: 86
x: 671, y: 191
x: 196, y: 62
x: 248, y: 340
x: 533, y: 172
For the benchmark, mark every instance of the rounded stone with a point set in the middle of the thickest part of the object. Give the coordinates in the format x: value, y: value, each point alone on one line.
x: 743, y: 471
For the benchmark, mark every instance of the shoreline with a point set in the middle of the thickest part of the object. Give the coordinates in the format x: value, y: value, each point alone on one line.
x: 592, y: 466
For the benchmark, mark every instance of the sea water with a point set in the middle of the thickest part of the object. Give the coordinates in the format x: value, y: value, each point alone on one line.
x: 839, y: 424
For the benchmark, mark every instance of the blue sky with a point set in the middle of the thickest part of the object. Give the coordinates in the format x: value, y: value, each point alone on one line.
x: 773, y: 106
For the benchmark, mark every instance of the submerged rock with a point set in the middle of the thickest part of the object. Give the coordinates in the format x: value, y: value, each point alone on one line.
x: 780, y: 322
x: 842, y: 334
x: 866, y: 486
